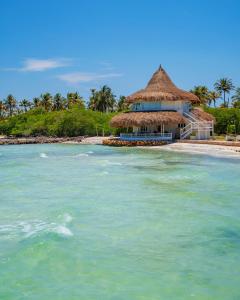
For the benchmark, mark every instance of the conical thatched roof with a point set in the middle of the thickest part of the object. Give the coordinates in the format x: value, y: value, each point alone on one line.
x: 130, y: 119
x: 159, y: 88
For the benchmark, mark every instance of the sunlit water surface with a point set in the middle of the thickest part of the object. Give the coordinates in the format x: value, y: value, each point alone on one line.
x: 93, y: 222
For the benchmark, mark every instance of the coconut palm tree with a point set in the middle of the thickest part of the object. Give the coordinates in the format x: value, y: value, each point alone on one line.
x: 46, y: 101
x: 201, y: 92
x: 36, y: 102
x: 224, y: 86
x: 122, y: 105
x: 236, y: 98
x: 75, y: 99
x: 58, y: 102
x: 2, y: 109
x: 25, y: 104
x: 10, y: 104
x: 212, y: 97
x: 102, y: 100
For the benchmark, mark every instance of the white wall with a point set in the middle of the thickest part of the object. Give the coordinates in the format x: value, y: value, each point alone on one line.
x: 179, y: 106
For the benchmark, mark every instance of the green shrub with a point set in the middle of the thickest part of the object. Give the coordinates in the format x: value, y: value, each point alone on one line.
x: 224, y: 118
x: 72, y: 122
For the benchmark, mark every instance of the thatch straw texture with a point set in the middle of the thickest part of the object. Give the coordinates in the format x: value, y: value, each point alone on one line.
x: 200, y: 114
x: 159, y: 88
x: 138, y: 119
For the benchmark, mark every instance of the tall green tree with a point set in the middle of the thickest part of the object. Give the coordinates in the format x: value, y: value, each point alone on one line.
x: 25, y: 104
x: 122, y: 105
x: 46, y: 101
x: 212, y: 97
x: 36, y: 102
x: 2, y: 109
x: 236, y: 98
x: 103, y: 100
x: 201, y: 92
x: 58, y: 102
x: 75, y: 99
x: 11, y: 104
x: 224, y: 86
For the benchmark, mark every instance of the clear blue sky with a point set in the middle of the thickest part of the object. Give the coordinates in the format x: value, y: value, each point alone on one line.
x: 75, y: 45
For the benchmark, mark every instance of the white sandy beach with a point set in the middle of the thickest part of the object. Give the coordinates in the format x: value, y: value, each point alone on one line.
x: 213, y: 150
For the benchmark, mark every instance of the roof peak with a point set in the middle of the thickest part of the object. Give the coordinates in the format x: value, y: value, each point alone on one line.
x: 160, y: 87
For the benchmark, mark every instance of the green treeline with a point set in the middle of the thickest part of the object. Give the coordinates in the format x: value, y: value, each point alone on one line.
x: 73, y: 122
x: 55, y: 115
x: 226, y: 118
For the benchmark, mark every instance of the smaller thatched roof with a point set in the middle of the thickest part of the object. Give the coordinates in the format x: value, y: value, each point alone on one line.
x: 200, y: 114
x: 138, y: 119
x: 161, y: 88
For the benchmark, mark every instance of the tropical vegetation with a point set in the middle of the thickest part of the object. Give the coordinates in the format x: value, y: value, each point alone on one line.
x: 56, y: 115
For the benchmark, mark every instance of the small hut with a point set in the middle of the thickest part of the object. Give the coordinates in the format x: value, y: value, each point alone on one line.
x: 162, y: 111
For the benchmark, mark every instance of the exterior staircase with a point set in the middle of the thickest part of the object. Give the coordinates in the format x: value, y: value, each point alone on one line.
x: 200, y: 127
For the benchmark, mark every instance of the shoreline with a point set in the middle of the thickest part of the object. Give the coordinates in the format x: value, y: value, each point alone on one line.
x: 38, y: 140
x: 221, y: 151
x: 96, y: 140
x: 212, y: 148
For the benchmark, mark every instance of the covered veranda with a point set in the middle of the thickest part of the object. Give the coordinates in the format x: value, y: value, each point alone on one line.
x: 149, y: 126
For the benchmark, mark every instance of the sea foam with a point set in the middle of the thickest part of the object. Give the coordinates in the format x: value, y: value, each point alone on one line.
x: 35, y: 228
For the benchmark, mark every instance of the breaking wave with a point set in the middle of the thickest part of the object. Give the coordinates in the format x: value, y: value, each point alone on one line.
x: 43, y: 155
x: 34, y: 228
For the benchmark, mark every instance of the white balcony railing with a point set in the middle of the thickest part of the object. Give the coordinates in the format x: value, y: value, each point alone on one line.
x: 146, y: 136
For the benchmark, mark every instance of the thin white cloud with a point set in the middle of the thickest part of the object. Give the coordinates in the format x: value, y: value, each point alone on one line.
x: 39, y: 65
x: 77, y: 77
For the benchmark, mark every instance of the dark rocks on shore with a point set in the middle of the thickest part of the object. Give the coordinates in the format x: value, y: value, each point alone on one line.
x: 38, y: 140
x: 119, y: 143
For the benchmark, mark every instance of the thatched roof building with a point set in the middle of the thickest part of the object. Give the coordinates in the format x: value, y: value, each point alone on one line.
x: 163, y: 112
x: 159, y: 88
x: 138, y: 119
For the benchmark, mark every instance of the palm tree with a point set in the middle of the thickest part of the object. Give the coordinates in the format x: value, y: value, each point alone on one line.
x: 236, y: 98
x: 46, y: 101
x: 201, y: 92
x: 224, y: 86
x: 10, y: 104
x: 122, y: 105
x: 75, y: 99
x: 102, y: 100
x: 212, y: 97
x: 2, y: 109
x: 25, y: 104
x: 36, y: 102
x: 58, y: 102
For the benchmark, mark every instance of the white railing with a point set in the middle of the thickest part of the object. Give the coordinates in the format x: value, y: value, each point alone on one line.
x: 146, y: 136
x: 200, y: 126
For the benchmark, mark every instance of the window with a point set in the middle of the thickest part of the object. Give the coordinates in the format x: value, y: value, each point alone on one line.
x: 143, y: 129
x: 181, y: 125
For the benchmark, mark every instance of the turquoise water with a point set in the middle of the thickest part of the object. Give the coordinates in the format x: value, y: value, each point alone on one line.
x: 93, y: 222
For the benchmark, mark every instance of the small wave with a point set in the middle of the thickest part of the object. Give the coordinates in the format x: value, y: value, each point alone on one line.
x: 43, y: 155
x: 34, y: 228
x: 63, y: 230
x: 90, y: 152
x: 115, y: 163
x: 82, y: 155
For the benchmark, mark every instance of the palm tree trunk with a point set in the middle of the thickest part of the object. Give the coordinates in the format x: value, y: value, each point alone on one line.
x: 228, y: 102
x: 224, y: 101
